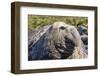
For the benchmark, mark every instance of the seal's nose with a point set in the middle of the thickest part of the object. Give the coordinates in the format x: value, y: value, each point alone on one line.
x: 62, y: 27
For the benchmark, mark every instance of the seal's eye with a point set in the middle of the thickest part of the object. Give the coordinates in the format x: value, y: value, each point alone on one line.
x: 62, y: 27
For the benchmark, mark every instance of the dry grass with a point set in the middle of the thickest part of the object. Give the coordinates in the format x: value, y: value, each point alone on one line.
x: 35, y: 21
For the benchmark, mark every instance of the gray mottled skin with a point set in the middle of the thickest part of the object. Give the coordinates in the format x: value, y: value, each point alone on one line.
x: 57, y: 41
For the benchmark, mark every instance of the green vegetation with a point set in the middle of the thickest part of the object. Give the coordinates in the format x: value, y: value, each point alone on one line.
x: 35, y: 21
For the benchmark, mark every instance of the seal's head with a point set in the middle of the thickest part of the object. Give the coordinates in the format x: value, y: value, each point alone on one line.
x: 60, y: 34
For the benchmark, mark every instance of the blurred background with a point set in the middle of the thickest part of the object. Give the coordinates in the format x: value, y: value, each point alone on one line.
x: 35, y: 21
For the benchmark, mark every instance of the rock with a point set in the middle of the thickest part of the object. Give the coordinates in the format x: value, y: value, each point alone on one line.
x: 82, y: 30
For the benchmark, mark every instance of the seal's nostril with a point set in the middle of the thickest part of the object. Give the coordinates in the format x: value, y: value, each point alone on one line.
x: 62, y: 27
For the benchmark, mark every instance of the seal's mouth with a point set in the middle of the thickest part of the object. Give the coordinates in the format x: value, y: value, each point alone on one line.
x: 66, y: 49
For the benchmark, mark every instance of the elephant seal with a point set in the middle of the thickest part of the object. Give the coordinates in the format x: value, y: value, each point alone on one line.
x: 60, y: 41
